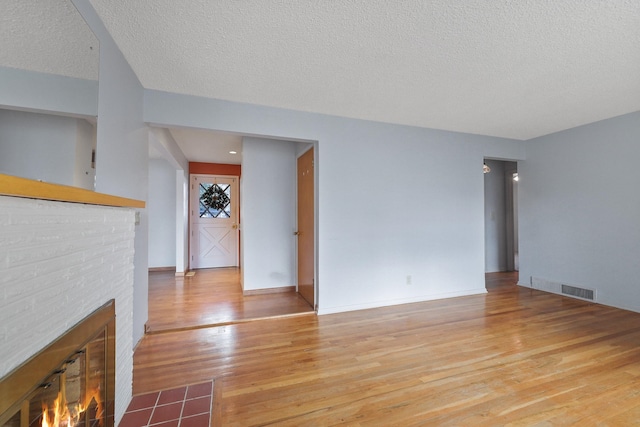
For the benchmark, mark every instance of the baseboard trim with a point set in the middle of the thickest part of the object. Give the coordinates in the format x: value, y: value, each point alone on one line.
x: 378, y: 304
x: 152, y: 269
x: 269, y: 291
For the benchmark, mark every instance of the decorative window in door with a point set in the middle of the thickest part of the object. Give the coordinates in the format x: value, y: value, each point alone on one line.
x: 215, y: 200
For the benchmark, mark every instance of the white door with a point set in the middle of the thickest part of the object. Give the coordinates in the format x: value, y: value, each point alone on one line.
x: 214, y: 221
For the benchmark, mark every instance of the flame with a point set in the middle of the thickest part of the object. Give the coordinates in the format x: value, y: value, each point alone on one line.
x: 57, y: 415
x: 63, y: 414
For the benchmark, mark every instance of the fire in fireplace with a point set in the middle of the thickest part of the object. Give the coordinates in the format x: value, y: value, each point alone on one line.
x: 73, y: 396
x: 70, y: 383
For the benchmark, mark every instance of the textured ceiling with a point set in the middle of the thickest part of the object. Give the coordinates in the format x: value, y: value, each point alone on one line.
x: 515, y: 69
x: 48, y: 37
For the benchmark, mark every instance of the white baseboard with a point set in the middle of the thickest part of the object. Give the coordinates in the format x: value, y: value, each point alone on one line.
x: 378, y: 304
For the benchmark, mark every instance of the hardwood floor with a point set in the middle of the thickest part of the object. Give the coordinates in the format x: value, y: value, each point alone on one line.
x: 513, y: 356
x: 210, y: 298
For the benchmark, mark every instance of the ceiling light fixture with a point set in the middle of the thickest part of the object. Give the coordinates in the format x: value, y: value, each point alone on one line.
x: 233, y: 152
x: 485, y: 168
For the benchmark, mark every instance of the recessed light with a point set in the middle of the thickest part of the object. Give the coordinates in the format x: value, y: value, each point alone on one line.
x: 233, y: 152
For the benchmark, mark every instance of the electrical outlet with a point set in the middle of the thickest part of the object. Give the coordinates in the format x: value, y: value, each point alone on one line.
x: 408, y: 279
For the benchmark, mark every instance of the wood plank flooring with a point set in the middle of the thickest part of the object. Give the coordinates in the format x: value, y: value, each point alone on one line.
x: 513, y: 356
x: 211, y: 297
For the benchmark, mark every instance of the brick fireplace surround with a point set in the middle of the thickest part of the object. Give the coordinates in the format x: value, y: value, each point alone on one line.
x: 59, y: 261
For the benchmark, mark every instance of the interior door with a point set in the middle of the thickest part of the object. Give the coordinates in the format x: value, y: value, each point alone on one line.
x: 305, y: 233
x: 213, y: 221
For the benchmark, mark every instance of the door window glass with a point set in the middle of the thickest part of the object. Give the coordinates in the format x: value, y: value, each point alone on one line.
x: 215, y: 200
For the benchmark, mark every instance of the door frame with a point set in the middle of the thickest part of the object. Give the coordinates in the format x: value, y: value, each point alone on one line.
x: 190, y: 214
x: 313, y: 244
x: 511, y: 205
x: 509, y: 167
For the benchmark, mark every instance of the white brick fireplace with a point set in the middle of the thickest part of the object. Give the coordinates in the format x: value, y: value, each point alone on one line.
x: 59, y: 262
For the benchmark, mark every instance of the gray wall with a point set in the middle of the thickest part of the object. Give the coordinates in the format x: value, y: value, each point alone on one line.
x: 47, y: 92
x: 47, y: 147
x: 38, y: 146
x: 84, y: 174
x: 122, y: 169
x: 495, y: 218
x: 122, y: 148
x: 268, y: 211
x: 161, y: 206
x: 580, y: 210
x: 393, y: 201
x: 163, y: 143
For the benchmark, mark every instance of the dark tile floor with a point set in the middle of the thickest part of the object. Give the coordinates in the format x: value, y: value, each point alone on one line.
x: 188, y: 406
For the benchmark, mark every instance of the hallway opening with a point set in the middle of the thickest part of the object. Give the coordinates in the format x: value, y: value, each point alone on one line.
x: 213, y: 297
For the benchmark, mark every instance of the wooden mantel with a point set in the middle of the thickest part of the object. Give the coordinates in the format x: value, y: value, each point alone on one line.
x: 29, y: 188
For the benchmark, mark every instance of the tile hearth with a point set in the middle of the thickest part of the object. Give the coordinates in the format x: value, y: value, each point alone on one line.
x: 188, y: 406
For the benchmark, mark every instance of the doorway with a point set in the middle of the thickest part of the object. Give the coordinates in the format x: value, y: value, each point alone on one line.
x: 213, y: 221
x: 306, y: 228
x: 214, y: 296
x: 501, y: 215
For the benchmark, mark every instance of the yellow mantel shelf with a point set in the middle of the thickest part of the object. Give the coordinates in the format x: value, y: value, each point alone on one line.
x: 29, y: 188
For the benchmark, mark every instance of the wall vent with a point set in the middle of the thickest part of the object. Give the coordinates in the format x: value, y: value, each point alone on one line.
x: 583, y: 293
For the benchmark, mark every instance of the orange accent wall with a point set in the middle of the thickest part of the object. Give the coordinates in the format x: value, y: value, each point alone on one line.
x: 214, y: 168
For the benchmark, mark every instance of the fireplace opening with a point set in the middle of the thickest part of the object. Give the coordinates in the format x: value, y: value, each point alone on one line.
x: 70, y: 383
